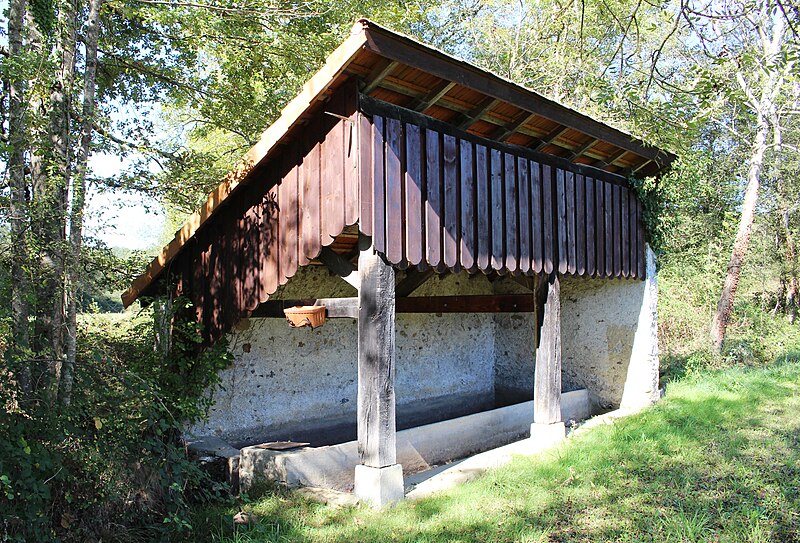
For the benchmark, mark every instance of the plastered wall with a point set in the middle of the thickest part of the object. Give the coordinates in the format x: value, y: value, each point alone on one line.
x: 598, y: 322
x: 301, y: 384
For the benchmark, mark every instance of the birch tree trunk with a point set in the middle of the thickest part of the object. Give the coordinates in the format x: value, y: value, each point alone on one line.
x: 78, y: 199
x: 791, y: 260
x: 20, y: 308
x: 769, y: 78
x: 722, y: 316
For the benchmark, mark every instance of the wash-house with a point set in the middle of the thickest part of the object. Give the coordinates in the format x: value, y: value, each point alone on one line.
x: 476, y: 251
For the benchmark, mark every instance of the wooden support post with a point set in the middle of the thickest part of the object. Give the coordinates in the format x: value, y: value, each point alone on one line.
x: 547, y: 423
x: 378, y: 479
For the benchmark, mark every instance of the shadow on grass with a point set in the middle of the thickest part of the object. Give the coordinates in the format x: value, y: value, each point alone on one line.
x: 717, y: 460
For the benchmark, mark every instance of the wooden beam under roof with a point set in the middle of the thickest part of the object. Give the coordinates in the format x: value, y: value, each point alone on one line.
x: 610, y: 160
x: 477, y: 112
x: 348, y: 307
x: 506, y: 131
x: 641, y: 166
x: 433, y: 96
x: 582, y: 149
x: 550, y: 137
x: 378, y: 74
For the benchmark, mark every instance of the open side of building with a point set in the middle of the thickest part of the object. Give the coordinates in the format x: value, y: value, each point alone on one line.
x: 475, y: 246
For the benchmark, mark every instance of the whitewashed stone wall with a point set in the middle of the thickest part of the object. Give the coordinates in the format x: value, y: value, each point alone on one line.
x: 301, y: 384
x: 609, y: 339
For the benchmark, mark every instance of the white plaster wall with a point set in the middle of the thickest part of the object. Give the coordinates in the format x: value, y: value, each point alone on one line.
x: 515, y: 345
x: 599, y: 321
x: 609, y: 342
x: 288, y: 383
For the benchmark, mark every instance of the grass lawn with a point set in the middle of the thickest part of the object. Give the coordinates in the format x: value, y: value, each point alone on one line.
x: 717, y: 460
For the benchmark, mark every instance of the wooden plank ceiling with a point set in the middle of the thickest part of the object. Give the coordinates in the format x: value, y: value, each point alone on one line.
x: 450, y: 90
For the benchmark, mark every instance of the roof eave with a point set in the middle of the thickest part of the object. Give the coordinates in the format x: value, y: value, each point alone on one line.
x: 312, y: 91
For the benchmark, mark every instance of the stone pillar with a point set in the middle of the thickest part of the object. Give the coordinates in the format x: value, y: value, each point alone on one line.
x: 547, y: 424
x: 379, y: 478
x: 641, y: 384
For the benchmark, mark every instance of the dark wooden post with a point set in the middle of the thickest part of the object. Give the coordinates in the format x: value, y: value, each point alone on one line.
x: 547, y: 384
x: 378, y: 479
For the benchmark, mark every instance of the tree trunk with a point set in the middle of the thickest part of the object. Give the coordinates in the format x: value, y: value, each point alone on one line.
x: 722, y: 316
x: 52, y: 207
x: 39, y: 149
x: 78, y: 199
x: 791, y: 261
x: 18, y: 205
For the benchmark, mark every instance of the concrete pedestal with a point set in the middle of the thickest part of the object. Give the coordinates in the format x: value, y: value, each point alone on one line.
x: 379, y: 486
x: 546, y: 435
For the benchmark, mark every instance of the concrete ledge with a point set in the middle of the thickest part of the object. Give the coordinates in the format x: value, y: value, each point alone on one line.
x: 418, y: 449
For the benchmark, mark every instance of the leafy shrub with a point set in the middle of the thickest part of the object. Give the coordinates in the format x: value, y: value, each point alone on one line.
x: 110, y: 465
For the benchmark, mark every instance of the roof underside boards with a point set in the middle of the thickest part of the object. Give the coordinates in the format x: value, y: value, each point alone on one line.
x: 400, y: 71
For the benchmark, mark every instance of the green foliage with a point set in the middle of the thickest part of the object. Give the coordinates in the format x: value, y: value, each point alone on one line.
x: 110, y: 465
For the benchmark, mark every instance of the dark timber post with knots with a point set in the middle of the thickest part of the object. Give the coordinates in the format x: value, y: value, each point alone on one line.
x: 378, y: 479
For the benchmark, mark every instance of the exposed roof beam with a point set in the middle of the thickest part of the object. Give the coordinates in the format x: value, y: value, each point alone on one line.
x: 477, y: 112
x: 642, y: 165
x: 433, y: 96
x: 378, y: 74
x: 340, y: 266
x: 551, y: 137
x: 582, y: 149
x: 610, y: 160
x: 505, y: 131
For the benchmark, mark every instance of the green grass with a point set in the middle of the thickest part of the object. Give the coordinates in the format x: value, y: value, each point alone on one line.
x: 717, y: 460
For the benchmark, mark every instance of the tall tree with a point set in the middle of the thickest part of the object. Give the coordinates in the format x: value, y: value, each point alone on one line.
x: 15, y: 83
x: 79, y: 199
x: 749, y: 40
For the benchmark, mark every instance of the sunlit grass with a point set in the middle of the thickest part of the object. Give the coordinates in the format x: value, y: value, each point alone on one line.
x: 717, y: 460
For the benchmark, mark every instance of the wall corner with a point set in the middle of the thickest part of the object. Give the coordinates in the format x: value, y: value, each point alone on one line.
x: 641, y: 384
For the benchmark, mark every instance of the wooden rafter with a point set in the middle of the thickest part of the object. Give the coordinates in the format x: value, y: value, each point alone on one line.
x: 504, y: 132
x: 641, y: 166
x: 477, y: 112
x: 378, y: 74
x: 582, y: 149
x: 611, y: 159
x: 550, y: 137
x: 433, y: 96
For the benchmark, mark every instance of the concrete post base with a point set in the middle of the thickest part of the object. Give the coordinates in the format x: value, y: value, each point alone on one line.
x: 546, y: 435
x: 379, y: 486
